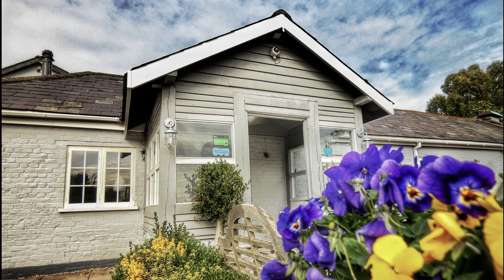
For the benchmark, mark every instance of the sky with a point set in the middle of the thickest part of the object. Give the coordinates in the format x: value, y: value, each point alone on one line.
x: 404, y: 48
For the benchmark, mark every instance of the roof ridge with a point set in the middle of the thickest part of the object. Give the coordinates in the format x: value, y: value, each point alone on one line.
x: 438, y: 115
x: 58, y: 76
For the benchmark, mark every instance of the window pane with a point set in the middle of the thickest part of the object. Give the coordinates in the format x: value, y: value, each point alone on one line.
x: 111, y: 177
x: 91, y: 176
x: 124, y: 176
x: 90, y: 195
x: 298, y: 160
x: 203, y: 140
x: 335, y: 142
x: 91, y: 159
x: 184, y: 188
x: 110, y: 194
x: 75, y: 195
x: 77, y: 176
x: 77, y: 159
x: 112, y: 159
x: 125, y: 160
x: 301, y: 186
x: 124, y: 194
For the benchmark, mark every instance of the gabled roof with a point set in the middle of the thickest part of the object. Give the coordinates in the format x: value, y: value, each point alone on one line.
x: 280, y: 20
x: 83, y: 93
x: 30, y: 62
x: 414, y: 124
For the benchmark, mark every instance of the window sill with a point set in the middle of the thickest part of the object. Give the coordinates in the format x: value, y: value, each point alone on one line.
x: 100, y: 209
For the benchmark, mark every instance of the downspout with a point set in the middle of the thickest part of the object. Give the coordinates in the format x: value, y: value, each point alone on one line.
x: 416, y: 157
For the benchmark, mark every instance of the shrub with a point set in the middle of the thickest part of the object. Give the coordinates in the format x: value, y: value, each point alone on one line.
x: 380, y: 219
x: 218, y: 187
x: 173, y: 254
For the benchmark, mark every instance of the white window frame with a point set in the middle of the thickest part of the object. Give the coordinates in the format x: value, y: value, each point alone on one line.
x: 204, y: 160
x: 292, y: 174
x: 152, y: 176
x: 100, y: 203
x: 336, y: 159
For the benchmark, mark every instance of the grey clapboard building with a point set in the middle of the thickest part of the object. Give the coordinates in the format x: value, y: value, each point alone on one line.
x: 88, y: 158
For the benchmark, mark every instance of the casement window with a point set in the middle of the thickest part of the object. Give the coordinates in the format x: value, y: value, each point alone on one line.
x: 199, y: 143
x: 334, y: 144
x: 152, y: 184
x: 299, y: 187
x: 99, y: 178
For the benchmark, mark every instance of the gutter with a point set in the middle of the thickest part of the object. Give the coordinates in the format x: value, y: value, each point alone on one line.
x: 43, y: 115
x: 454, y: 143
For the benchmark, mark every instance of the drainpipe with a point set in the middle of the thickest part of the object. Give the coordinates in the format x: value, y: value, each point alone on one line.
x: 47, y: 60
x: 416, y: 158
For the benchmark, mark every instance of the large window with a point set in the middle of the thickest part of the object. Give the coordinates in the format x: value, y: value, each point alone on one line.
x: 152, y: 184
x: 334, y: 144
x: 199, y: 143
x: 99, y: 177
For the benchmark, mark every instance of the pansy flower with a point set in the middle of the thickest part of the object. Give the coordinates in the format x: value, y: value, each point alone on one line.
x: 274, y: 270
x: 358, y: 167
x: 493, y: 234
x: 385, y: 182
x: 445, y: 234
x: 341, y: 195
x: 316, y: 250
x: 462, y: 184
x: 314, y: 274
x: 393, y: 259
x: 291, y: 223
x: 415, y: 198
x: 372, y: 230
x: 386, y: 153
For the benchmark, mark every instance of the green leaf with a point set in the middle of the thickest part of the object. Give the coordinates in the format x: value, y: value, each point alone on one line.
x: 457, y: 251
x: 469, y: 276
x: 357, y: 253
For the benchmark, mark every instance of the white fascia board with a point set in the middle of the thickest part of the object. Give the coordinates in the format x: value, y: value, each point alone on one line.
x: 62, y: 116
x: 156, y: 69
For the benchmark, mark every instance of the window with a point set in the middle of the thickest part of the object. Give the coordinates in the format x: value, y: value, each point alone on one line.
x: 297, y: 174
x: 334, y: 144
x: 199, y: 143
x: 99, y: 177
x: 152, y: 185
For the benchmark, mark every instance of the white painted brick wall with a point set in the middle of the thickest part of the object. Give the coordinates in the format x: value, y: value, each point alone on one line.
x: 33, y: 182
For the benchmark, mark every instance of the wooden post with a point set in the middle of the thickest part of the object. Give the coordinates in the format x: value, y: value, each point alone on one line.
x: 242, y: 143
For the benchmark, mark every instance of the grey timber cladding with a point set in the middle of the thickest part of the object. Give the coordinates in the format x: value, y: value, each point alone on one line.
x: 206, y: 91
x: 208, y: 88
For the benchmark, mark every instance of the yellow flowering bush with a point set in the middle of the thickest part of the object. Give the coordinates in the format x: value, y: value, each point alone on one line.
x: 173, y: 254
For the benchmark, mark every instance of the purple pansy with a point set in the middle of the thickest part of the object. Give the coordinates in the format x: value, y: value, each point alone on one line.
x: 274, y: 270
x: 386, y: 153
x: 372, y: 230
x: 457, y: 183
x: 415, y: 198
x: 385, y: 183
x: 342, y: 197
x: 316, y: 250
x: 314, y: 274
x: 291, y: 223
x: 359, y: 168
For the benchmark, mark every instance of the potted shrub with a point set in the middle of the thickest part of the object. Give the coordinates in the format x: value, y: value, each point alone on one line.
x: 218, y: 186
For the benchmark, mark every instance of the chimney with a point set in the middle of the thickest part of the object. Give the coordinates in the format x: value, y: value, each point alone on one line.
x: 47, y: 60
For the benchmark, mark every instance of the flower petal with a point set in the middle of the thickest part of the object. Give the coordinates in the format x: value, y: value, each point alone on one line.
x: 436, y: 244
x: 493, y: 234
x: 314, y: 274
x: 449, y: 222
x: 408, y: 261
x: 388, y: 247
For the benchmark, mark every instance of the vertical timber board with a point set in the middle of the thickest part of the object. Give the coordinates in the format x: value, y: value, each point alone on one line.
x: 359, y: 127
x: 166, y: 159
x: 311, y: 135
x: 172, y: 171
x: 242, y: 143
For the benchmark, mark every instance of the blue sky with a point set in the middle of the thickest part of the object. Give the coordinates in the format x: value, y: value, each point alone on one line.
x: 404, y: 48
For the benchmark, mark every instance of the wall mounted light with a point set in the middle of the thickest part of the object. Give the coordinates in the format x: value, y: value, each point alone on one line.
x: 170, y: 132
x: 366, y: 140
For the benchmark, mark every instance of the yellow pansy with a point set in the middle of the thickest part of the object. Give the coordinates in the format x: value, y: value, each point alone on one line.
x: 492, y: 231
x: 465, y: 220
x: 490, y: 204
x: 445, y: 234
x: 393, y: 259
x: 438, y: 205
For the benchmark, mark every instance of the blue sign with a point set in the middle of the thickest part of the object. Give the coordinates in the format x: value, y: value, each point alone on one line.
x: 220, y: 152
x: 327, y: 151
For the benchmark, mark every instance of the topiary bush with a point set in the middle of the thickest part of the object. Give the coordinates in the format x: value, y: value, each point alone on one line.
x: 173, y: 254
x: 217, y: 188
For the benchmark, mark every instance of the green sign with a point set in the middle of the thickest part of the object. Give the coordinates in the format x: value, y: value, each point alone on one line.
x: 222, y: 141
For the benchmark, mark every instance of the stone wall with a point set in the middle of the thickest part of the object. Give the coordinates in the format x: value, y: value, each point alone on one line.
x: 34, y: 232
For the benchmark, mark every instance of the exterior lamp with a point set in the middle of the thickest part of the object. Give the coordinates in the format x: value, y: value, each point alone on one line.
x: 365, y: 138
x: 170, y: 133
